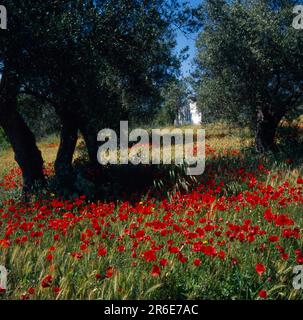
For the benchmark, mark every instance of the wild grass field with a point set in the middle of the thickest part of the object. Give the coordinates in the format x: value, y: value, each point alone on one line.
x: 235, y: 233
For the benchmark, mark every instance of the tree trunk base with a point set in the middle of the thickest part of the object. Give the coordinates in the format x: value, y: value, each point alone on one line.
x: 23, y: 142
x: 266, y: 132
x: 64, y: 161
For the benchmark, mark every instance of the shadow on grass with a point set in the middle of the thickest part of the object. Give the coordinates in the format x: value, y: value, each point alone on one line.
x: 133, y: 183
x: 122, y: 182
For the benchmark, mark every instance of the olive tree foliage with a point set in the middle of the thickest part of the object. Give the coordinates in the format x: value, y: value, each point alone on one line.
x: 95, y: 62
x: 175, y: 99
x: 249, y: 64
x: 40, y: 116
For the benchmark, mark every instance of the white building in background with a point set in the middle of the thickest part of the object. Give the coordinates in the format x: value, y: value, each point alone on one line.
x: 189, y: 114
x: 196, y: 115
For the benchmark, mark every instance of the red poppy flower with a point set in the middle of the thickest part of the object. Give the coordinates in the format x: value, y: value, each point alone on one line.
x: 155, y: 271
x: 102, y: 252
x: 109, y: 272
x: 299, y: 259
x: 121, y: 248
x: 300, y: 180
x: 76, y: 255
x: 31, y: 291
x: 150, y: 256
x: 221, y: 255
x: 273, y: 238
x: 263, y: 294
x: 260, y: 268
x: 209, y: 250
x: 283, y: 220
x: 298, y: 252
x: 163, y: 262
x: 285, y: 256
x: 261, y: 167
x: 269, y: 216
x: 174, y: 250
x: 56, y: 290
x: 47, y: 281
x: 182, y: 258
x: 83, y: 247
x: 197, y: 262
x: 49, y: 257
x: 140, y: 234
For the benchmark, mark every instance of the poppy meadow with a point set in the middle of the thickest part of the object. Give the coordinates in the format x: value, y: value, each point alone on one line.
x: 235, y: 234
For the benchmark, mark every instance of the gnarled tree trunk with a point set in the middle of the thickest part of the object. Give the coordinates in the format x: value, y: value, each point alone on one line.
x: 266, y: 127
x: 27, y: 155
x: 90, y: 138
x: 68, y: 142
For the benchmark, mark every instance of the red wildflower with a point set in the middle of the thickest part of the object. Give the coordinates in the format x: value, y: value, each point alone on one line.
x: 163, y: 262
x: 150, y: 256
x: 209, y: 250
x: 300, y: 180
x: 109, y: 272
x: 283, y: 220
x: 47, y: 281
x: 261, y: 167
x: 269, y: 216
x: 174, y: 250
x: 155, y: 271
x: 102, y: 252
x: 273, y: 238
x: 221, y: 255
x: 31, y: 291
x: 260, y: 268
x: 49, y: 257
x: 197, y: 262
x: 263, y: 294
x: 56, y: 290
x: 182, y: 258
x: 83, y: 247
x: 121, y: 248
x: 76, y: 255
x: 299, y: 259
x: 140, y: 234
